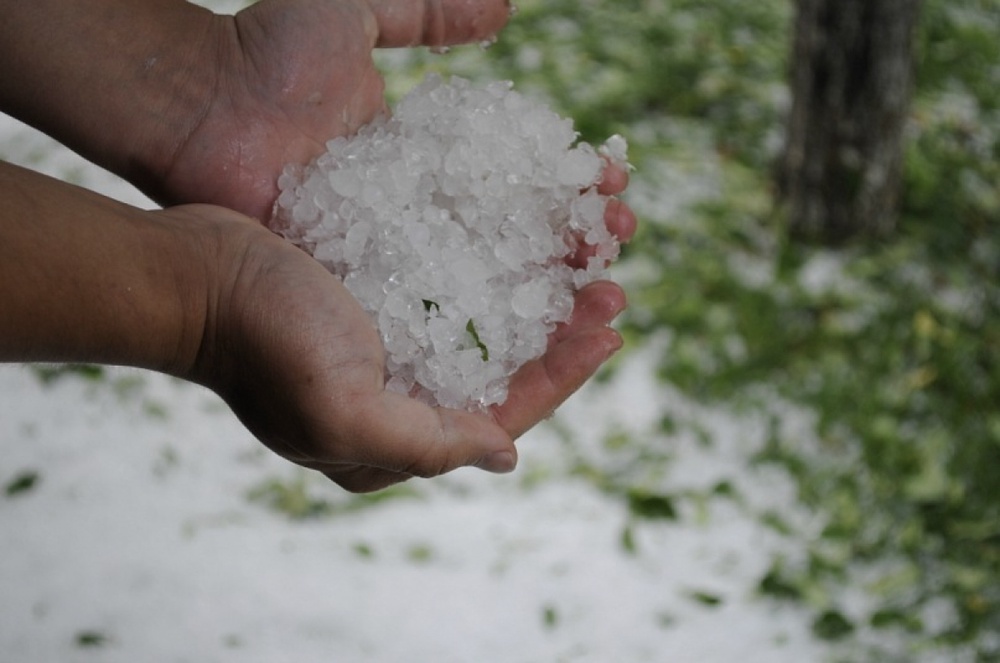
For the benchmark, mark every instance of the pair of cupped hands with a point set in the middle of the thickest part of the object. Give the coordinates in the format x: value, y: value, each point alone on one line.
x: 282, y: 341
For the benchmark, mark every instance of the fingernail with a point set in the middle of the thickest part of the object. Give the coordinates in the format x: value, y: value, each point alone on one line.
x: 620, y: 308
x: 616, y: 345
x: 498, y: 462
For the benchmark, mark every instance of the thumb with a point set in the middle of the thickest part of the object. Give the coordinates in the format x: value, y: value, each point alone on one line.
x: 437, y: 22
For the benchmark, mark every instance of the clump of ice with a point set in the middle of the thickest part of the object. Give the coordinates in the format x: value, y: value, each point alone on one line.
x: 451, y: 222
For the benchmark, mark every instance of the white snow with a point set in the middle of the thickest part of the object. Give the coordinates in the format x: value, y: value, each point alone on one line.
x: 139, y: 529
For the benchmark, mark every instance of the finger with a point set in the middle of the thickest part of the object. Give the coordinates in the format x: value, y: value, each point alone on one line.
x: 595, y: 305
x: 620, y: 220
x: 614, y: 178
x: 398, y: 435
x: 540, y: 386
x: 437, y: 22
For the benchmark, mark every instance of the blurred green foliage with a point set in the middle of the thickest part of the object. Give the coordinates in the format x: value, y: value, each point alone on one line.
x: 48, y: 374
x: 895, y: 345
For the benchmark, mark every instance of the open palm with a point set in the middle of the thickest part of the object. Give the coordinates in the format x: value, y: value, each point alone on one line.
x: 298, y: 360
x: 292, y: 74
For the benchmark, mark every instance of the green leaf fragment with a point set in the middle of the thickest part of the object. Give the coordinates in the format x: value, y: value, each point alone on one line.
x: 652, y: 506
x: 628, y: 540
x: 832, y: 625
x: 778, y: 586
x: 363, y: 550
x: 550, y: 616
x: 91, y: 639
x: 471, y: 328
x: 22, y: 483
x: 706, y: 598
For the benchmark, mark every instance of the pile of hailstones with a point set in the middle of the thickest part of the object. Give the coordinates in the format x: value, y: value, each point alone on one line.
x: 451, y: 222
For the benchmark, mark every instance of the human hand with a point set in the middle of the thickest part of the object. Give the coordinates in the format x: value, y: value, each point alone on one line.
x: 292, y: 74
x: 322, y: 402
x: 301, y: 364
x: 194, y: 107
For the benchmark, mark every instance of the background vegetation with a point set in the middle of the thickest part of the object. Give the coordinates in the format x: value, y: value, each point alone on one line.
x: 894, y: 345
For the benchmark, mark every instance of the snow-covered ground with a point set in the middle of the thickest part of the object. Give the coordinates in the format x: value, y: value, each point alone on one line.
x: 139, y: 534
x: 138, y: 541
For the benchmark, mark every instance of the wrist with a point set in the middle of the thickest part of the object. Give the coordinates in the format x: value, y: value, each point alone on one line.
x: 87, y: 279
x: 179, y: 89
x: 216, y: 259
x: 184, y: 258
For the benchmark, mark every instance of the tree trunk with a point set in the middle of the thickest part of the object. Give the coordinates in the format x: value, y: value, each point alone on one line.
x: 851, y: 78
